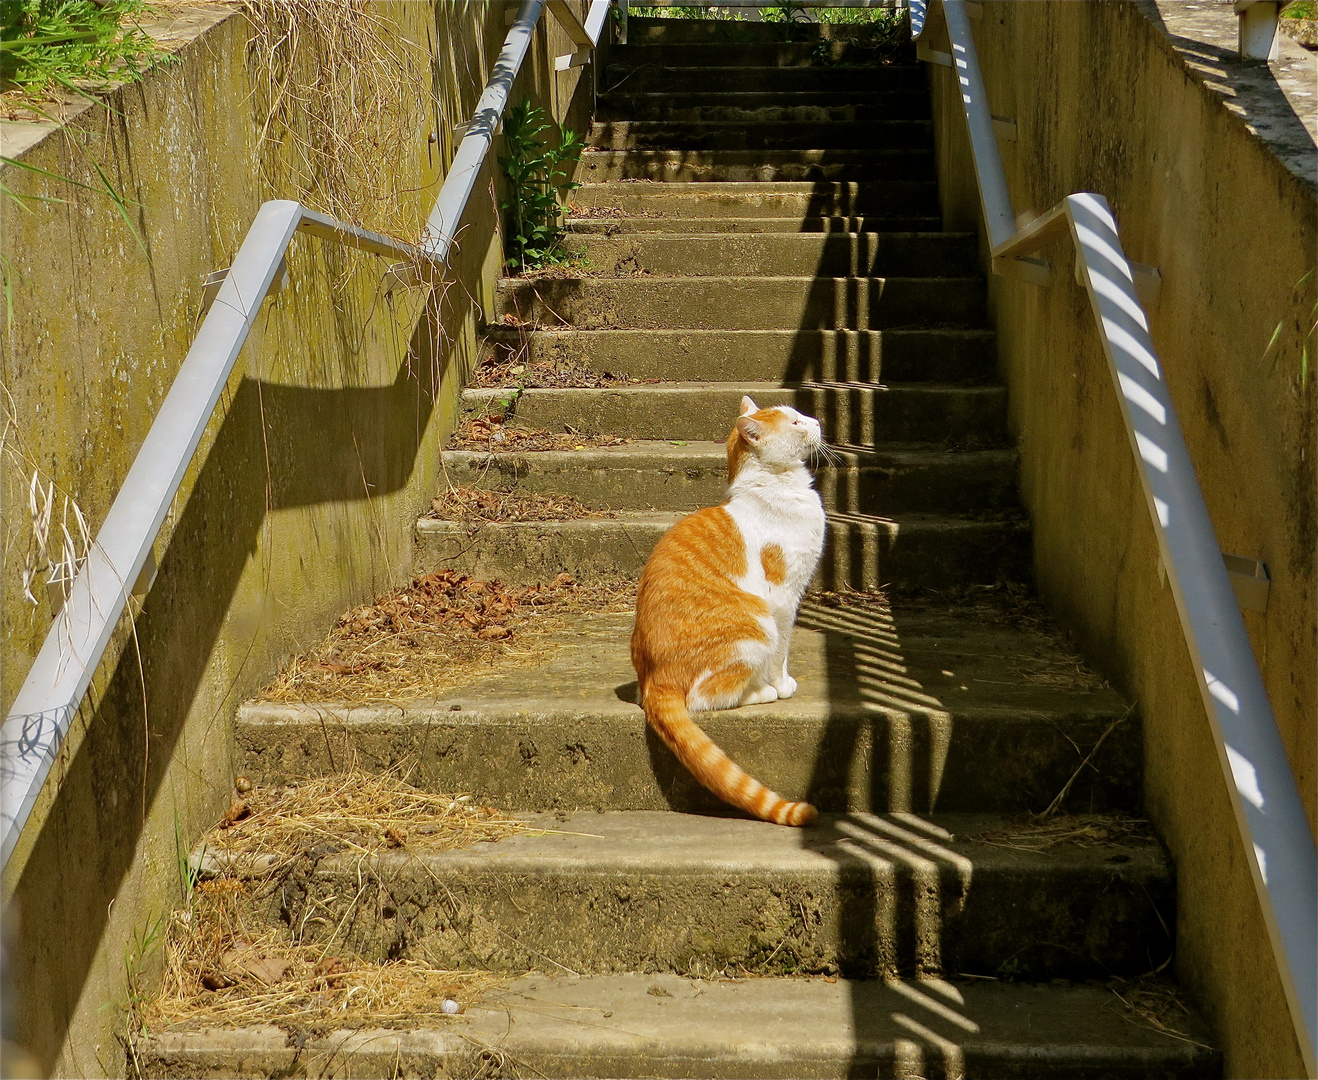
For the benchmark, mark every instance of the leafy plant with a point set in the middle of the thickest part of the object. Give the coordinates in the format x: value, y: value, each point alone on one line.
x: 685, y: 11
x: 537, y: 176
x: 68, y: 42
x: 787, y: 12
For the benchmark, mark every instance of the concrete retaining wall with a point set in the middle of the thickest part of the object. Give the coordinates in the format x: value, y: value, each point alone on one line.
x: 301, y: 500
x: 1104, y: 103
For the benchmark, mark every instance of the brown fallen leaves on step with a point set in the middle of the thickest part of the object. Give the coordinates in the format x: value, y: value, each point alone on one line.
x: 492, y: 433
x: 450, y: 597
x: 480, y: 505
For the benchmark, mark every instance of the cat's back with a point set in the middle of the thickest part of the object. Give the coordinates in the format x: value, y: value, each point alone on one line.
x: 704, y: 544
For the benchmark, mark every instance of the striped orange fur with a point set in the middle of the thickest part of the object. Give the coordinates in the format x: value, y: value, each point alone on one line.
x: 717, y: 599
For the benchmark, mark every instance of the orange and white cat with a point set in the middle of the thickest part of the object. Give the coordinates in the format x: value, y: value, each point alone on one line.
x: 718, y: 599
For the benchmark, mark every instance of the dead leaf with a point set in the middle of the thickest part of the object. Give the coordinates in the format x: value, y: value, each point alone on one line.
x: 494, y: 633
x: 268, y: 971
x: 238, y: 811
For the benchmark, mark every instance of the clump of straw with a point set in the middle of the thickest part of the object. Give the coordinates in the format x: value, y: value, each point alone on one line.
x: 1042, y: 833
x: 357, y: 811
x: 226, y: 963
x: 344, y: 92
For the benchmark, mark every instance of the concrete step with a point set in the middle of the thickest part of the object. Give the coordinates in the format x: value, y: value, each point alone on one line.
x: 866, y: 895
x: 817, y: 54
x: 743, y: 303
x: 664, y: 476
x: 666, y: 31
x: 743, y: 166
x: 620, y: 225
x: 851, y: 414
x: 914, y: 707
x: 861, y: 254
x: 900, y: 134
x: 667, y: 1026
x: 739, y: 105
x: 755, y: 199
x: 652, y: 79
x: 861, y: 551
x: 788, y: 356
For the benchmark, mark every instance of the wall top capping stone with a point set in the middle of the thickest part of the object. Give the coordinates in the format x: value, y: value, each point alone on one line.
x: 1277, y: 100
x: 21, y: 129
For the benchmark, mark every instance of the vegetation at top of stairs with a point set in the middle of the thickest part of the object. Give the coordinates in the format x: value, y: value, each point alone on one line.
x: 537, y: 175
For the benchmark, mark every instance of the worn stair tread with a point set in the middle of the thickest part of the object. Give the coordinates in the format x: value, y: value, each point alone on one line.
x: 817, y: 253
x: 661, y: 843
x: 602, y: 886
x: 777, y: 226
x: 740, y: 166
x: 959, y: 713
x: 751, y: 198
x: 669, y: 1026
x: 768, y: 136
x: 857, y: 414
x: 861, y: 551
x: 921, y: 659
x: 714, y: 454
x: 925, y: 354
x: 744, y: 302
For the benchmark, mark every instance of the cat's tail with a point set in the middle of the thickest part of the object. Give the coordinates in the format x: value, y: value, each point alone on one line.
x: 666, y: 711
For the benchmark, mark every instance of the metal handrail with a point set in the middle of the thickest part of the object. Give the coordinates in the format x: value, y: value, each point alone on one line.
x: 1279, y: 845
x: 57, y: 682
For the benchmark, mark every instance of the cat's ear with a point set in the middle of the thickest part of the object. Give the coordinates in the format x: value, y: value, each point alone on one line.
x: 748, y: 406
x: 749, y: 428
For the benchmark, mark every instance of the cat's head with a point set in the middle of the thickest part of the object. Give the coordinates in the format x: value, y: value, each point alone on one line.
x: 778, y: 437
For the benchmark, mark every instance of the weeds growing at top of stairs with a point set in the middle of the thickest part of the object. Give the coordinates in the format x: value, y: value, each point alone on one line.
x: 75, y: 45
x: 537, y: 175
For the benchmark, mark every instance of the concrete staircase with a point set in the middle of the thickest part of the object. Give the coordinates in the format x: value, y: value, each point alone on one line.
x: 759, y: 217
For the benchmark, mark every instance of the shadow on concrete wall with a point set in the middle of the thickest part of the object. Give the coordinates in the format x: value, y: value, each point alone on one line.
x: 322, y: 447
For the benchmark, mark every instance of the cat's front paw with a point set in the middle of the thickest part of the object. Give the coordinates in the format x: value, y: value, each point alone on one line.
x: 786, y: 686
x: 762, y: 696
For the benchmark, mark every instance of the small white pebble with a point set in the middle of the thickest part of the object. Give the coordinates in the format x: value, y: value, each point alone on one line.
x: 450, y: 1007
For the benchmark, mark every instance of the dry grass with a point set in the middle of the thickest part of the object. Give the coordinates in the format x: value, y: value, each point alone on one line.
x: 342, y: 94
x: 478, y: 506
x: 442, y: 631
x: 1154, y: 1004
x: 492, y: 434
x: 357, y: 812
x: 1035, y: 834
x: 227, y: 964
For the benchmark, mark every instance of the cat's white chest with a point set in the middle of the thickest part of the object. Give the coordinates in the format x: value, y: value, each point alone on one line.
x: 784, y: 535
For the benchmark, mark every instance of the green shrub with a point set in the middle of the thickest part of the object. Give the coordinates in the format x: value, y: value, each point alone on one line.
x: 537, y: 176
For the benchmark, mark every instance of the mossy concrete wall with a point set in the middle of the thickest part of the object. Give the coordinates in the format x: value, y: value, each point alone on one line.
x: 1104, y: 103
x: 301, y: 500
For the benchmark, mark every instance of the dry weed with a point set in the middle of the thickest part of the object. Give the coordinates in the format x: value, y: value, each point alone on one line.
x: 226, y: 963
x: 1040, y: 833
x: 1154, y: 1004
x: 356, y: 811
x: 343, y: 93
